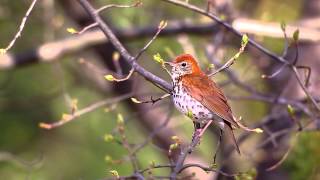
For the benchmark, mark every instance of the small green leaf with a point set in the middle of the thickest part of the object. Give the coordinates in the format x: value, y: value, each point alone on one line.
x: 66, y: 117
x: 72, y: 31
x: 258, y: 130
x: 213, y: 166
x: 296, y: 35
x: 236, y: 56
x: 120, y: 119
x: 244, y: 40
x: 152, y: 163
x: 163, y: 24
x: 290, y: 110
x: 108, y: 137
x: 176, y: 139
x: 3, y: 51
x: 174, y: 146
x: 109, y: 77
x: 189, y: 114
x: 211, y: 66
x: 108, y: 158
x: 114, y: 173
x: 157, y: 57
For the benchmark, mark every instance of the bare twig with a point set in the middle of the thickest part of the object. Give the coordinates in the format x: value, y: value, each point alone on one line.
x: 227, y: 26
x: 103, y: 8
x: 161, y: 26
x: 183, y: 155
x: 84, y: 111
x: 232, y: 59
x: 21, y: 27
x: 207, y: 169
x: 151, y: 100
x: 285, y: 155
x: 87, y: 28
x: 154, y: 133
x: 125, y: 54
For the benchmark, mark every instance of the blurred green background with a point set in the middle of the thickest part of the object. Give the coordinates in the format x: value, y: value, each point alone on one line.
x: 36, y: 93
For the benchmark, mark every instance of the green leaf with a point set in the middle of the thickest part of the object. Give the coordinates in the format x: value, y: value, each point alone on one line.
x: 189, y: 114
x: 114, y: 173
x: 157, y: 57
x: 108, y: 137
x: 244, y: 40
x: 108, y: 158
x: 120, y: 119
x: 2, y: 51
x: 72, y: 31
x: 290, y: 110
x: 109, y: 77
x: 296, y: 35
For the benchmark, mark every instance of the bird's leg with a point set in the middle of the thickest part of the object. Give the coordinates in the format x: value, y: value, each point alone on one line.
x: 205, y: 127
x: 197, y: 130
x: 218, y: 146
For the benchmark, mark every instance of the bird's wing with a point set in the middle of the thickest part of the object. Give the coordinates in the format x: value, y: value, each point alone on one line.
x: 208, y: 94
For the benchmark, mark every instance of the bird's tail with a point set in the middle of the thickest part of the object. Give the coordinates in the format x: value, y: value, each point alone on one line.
x: 228, y: 130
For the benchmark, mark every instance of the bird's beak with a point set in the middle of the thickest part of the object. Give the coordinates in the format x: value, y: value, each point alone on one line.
x: 168, y: 63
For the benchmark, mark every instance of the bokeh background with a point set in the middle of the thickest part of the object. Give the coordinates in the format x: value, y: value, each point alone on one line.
x: 40, y: 92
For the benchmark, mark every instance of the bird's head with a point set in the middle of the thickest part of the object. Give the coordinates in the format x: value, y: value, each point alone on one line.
x: 183, y: 65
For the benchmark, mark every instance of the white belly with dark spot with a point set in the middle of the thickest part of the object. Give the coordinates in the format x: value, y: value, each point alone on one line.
x: 187, y: 105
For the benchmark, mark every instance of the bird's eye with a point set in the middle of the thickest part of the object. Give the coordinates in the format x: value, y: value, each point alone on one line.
x: 184, y: 64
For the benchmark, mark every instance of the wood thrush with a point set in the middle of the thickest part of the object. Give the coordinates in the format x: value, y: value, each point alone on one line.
x: 197, y: 96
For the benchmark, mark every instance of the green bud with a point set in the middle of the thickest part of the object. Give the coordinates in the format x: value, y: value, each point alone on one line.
x: 108, y: 137
x: 296, y: 35
x: 114, y: 173
x: 157, y: 57
x: 244, y: 40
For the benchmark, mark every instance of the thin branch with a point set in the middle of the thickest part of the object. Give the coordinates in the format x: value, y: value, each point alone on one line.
x: 232, y: 59
x: 21, y: 27
x: 51, y: 51
x: 307, y: 72
x: 125, y: 54
x: 183, y: 155
x: 151, y: 99
x: 277, y: 72
x: 227, y: 26
x: 207, y: 169
x: 87, y: 28
x: 155, y: 132
x: 88, y: 109
x: 284, y: 157
x: 314, y: 102
x: 161, y: 26
x: 103, y: 8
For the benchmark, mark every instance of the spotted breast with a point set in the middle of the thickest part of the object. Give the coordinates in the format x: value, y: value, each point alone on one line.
x: 190, y: 106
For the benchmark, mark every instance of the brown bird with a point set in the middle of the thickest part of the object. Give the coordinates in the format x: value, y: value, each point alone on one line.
x: 197, y: 96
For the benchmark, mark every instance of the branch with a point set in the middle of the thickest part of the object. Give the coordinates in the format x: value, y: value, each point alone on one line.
x: 51, y: 51
x: 125, y: 54
x: 228, y: 27
x: 21, y: 27
x: 251, y: 42
x: 75, y: 115
x: 182, y: 157
x: 206, y: 169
